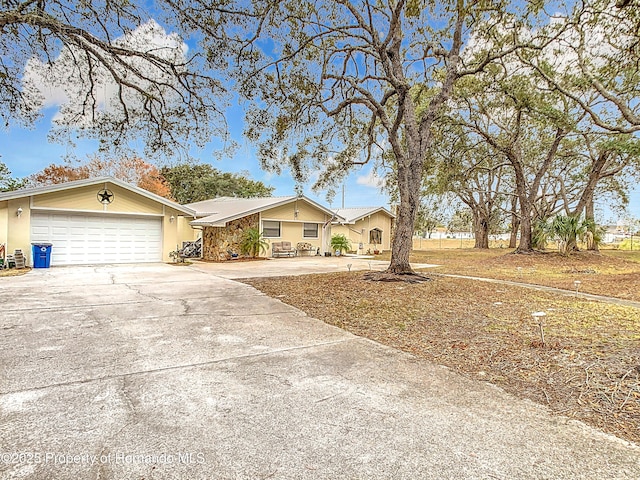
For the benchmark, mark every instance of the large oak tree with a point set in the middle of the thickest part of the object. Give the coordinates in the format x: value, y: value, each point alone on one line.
x: 334, y: 83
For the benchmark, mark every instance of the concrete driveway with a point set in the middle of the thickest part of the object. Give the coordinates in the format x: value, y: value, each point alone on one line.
x: 162, y: 372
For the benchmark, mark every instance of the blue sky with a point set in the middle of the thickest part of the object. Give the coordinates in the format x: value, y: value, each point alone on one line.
x: 26, y: 151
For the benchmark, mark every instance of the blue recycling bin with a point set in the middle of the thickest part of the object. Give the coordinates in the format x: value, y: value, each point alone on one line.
x: 41, y: 255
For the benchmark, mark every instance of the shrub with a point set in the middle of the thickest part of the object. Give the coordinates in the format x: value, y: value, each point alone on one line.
x: 567, y: 230
x: 540, y: 233
x: 340, y: 242
x: 253, y: 242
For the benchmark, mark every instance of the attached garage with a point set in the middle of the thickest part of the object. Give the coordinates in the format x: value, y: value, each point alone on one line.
x: 95, y: 221
x: 84, y: 239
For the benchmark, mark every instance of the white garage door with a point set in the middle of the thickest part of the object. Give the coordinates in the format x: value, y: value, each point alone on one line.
x: 87, y: 239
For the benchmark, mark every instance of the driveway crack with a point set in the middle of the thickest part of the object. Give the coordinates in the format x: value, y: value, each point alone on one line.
x: 146, y: 295
x: 124, y: 391
x: 183, y: 366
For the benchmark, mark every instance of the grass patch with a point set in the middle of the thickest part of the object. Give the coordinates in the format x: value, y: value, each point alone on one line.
x: 611, y: 273
x: 628, y: 255
x: 14, y: 272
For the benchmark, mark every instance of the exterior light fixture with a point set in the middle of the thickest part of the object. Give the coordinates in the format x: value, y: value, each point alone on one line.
x: 19, y: 212
x: 576, y: 284
x: 539, y: 317
x: 172, y: 218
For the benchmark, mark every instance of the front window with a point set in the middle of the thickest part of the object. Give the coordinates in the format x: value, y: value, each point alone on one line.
x: 270, y: 229
x: 375, y: 236
x: 310, y: 230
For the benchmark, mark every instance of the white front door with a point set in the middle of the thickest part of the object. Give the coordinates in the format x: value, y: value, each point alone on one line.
x: 89, y: 239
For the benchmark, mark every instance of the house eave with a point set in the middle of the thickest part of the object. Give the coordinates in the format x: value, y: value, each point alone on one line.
x: 59, y: 187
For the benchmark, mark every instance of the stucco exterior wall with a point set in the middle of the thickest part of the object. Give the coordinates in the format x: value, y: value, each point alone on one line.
x: 174, y: 232
x: 85, y: 199
x: 186, y: 232
x: 18, y: 236
x: 294, y: 232
x: 346, y: 230
x: 378, y: 220
x: 4, y: 211
x: 217, y: 241
x: 292, y: 218
x: 305, y: 213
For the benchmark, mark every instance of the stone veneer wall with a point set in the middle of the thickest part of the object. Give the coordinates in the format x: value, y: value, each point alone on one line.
x: 216, y: 241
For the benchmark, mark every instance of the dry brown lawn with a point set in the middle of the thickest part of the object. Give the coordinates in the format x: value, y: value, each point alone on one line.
x: 14, y: 272
x: 611, y: 273
x: 588, y: 367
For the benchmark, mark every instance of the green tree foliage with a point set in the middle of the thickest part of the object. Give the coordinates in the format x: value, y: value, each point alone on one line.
x: 7, y: 182
x: 592, y: 53
x: 196, y: 182
x: 472, y: 171
x: 460, y: 221
x: 430, y: 215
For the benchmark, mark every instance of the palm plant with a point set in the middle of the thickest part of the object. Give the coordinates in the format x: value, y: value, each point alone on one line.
x: 340, y: 242
x: 567, y: 230
x: 253, y: 242
x: 540, y: 233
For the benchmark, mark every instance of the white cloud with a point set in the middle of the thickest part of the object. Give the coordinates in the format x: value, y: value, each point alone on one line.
x: 65, y: 83
x: 371, y: 179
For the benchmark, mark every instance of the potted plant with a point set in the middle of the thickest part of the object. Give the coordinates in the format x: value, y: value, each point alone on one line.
x: 340, y: 243
x: 253, y: 242
x: 176, y: 255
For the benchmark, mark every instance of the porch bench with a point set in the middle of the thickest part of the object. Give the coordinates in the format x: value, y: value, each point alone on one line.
x: 305, y: 249
x: 282, y: 249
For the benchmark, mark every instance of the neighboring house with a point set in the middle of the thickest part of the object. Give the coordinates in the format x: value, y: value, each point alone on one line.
x: 292, y: 219
x: 368, y: 228
x: 94, y: 221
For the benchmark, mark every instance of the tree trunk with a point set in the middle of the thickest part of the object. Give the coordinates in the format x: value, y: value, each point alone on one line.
x: 409, y: 179
x: 480, y: 230
x: 526, y: 238
x: 526, y: 241
x: 515, y: 223
x: 589, y: 215
x: 515, y: 228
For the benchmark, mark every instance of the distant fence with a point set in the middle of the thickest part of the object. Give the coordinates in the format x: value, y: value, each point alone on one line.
x: 440, y: 240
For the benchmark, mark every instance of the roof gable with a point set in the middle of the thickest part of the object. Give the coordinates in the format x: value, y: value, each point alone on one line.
x: 218, y: 211
x: 352, y: 215
x: 58, y: 187
x: 229, y: 206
